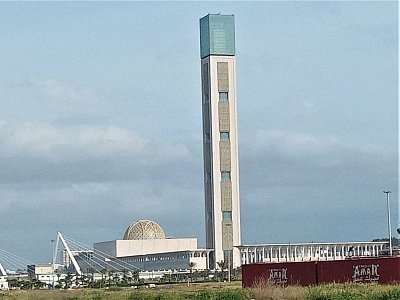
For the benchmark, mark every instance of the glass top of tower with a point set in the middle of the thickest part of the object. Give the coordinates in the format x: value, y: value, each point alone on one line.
x: 217, y: 35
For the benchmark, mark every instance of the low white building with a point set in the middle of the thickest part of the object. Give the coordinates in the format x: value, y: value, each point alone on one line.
x: 42, y: 272
x: 156, y: 254
x: 45, y: 273
x: 264, y: 253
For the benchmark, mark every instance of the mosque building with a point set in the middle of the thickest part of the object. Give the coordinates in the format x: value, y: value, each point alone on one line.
x: 144, y: 247
x: 144, y: 244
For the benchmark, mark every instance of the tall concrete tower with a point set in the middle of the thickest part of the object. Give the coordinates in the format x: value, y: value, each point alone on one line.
x: 220, y: 143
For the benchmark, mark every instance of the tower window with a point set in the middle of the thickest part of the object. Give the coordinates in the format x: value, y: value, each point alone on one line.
x: 225, y: 176
x: 223, y: 96
x: 224, y: 136
x: 227, y: 215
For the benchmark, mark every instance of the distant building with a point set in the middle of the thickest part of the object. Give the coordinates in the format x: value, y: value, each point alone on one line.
x: 220, y: 140
x: 45, y: 273
x: 144, y: 248
x: 271, y: 253
x: 3, y: 278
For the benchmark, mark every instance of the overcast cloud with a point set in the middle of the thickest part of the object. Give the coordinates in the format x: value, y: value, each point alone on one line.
x: 100, y: 120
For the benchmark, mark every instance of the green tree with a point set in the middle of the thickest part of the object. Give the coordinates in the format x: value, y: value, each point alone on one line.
x: 135, y: 276
x: 191, y: 265
x: 222, y: 265
x: 91, y: 271
x: 103, y: 276
x: 58, y: 278
x: 125, y: 277
x: 110, y: 274
x: 68, y: 280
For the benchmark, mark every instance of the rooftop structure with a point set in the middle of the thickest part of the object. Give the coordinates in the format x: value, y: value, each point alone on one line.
x: 217, y: 35
x: 144, y: 230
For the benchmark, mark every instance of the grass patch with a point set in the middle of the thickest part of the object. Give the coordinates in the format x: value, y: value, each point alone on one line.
x: 354, y: 292
x: 217, y: 291
x: 392, y: 294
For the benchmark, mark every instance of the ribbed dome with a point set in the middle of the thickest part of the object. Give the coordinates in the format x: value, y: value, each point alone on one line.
x: 144, y: 230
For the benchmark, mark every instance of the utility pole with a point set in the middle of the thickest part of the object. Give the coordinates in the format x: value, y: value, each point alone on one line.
x: 229, y: 265
x: 53, y: 262
x: 388, y: 219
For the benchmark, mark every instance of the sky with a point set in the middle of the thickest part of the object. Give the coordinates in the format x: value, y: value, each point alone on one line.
x: 100, y: 120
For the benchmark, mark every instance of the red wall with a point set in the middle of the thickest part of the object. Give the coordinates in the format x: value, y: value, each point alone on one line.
x: 379, y: 270
x: 295, y: 273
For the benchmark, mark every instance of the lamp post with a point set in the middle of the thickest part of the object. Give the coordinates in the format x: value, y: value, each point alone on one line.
x: 389, y: 226
x: 53, y: 261
x: 229, y: 265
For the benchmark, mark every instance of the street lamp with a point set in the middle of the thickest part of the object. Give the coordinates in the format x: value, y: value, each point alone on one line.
x: 389, y: 226
x: 53, y: 261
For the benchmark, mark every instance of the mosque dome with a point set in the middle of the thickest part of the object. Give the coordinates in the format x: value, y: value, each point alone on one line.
x: 144, y: 230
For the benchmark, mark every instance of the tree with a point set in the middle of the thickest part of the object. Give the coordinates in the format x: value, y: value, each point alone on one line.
x: 223, y: 265
x: 135, y: 276
x: 110, y: 274
x: 77, y: 279
x: 92, y: 271
x: 26, y: 284
x: 58, y: 278
x: 116, y: 278
x: 125, y: 276
x: 103, y: 273
x: 68, y: 280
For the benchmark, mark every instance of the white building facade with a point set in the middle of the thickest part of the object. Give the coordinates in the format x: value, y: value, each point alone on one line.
x: 156, y: 254
x: 265, y: 253
x: 144, y: 248
x: 220, y: 141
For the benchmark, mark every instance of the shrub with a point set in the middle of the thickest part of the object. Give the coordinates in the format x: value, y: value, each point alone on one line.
x: 97, y: 296
x: 231, y: 294
x: 393, y: 294
x: 335, y: 292
x: 353, y: 292
x: 228, y: 294
x: 154, y: 296
x: 264, y: 290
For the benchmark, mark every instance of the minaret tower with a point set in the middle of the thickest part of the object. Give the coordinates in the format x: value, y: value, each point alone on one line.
x: 220, y: 142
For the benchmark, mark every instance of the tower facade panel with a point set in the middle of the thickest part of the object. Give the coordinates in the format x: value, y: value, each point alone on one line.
x: 220, y: 143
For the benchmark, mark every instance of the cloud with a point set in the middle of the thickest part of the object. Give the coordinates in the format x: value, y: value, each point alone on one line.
x: 293, y: 144
x: 307, y: 107
x: 326, y: 151
x: 97, y: 179
x: 61, y: 143
x: 32, y: 151
x: 62, y: 93
x: 301, y: 185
